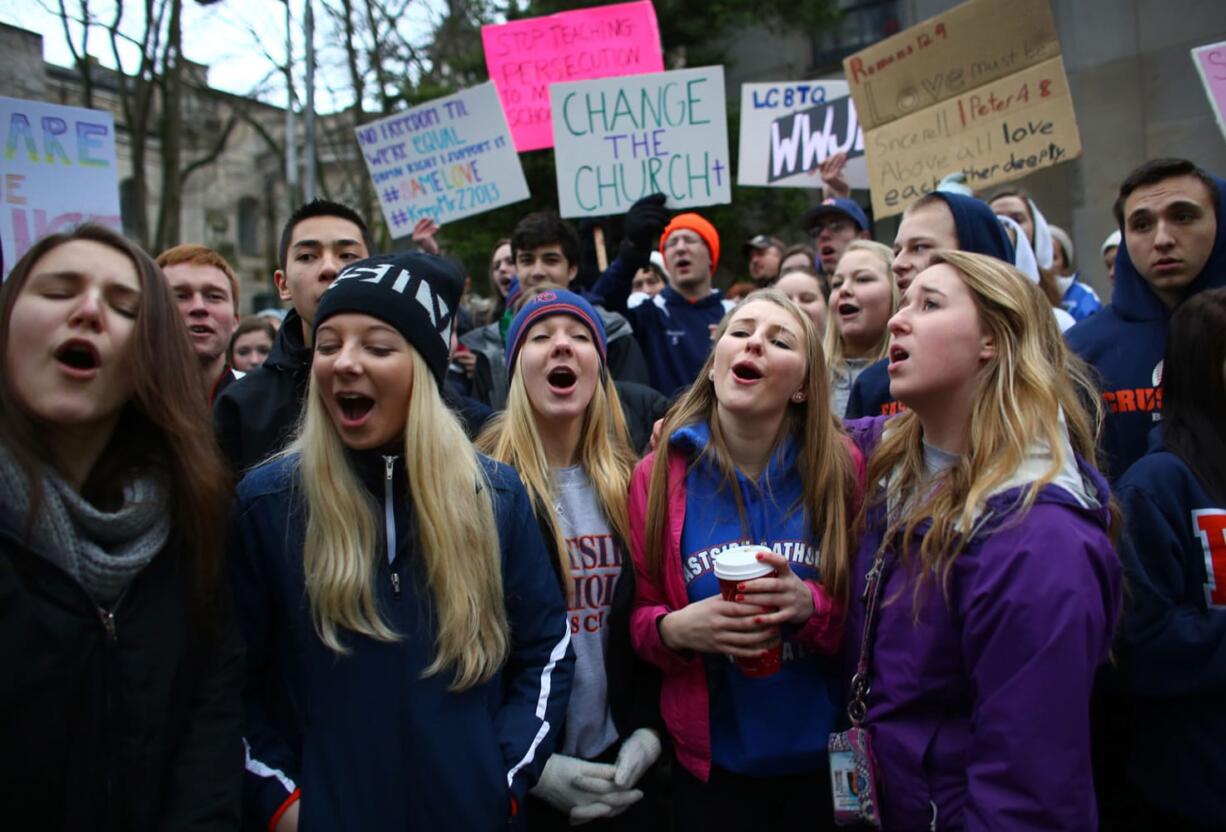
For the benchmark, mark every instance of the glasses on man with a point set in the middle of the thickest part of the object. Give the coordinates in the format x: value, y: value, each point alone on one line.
x: 835, y: 225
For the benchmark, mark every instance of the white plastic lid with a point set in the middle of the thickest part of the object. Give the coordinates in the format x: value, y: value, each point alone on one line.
x: 741, y: 563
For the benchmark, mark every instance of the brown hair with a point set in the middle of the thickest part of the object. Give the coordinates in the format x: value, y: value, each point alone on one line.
x: 164, y: 427
x: 192, y: 254
x: 249, y: 324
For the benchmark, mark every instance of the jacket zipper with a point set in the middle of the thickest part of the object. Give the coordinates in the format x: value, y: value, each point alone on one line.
x: 107, y: 616
x: 108, y: 623
x: 389, y: 519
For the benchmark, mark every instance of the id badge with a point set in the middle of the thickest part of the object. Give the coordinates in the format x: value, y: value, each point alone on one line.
x: 853, y: 779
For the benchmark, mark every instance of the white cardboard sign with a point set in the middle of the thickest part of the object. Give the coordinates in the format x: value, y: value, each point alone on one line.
x: 769, y: 140
x: 57, y: 170
x: 619, y: 139
x: 449, y: 158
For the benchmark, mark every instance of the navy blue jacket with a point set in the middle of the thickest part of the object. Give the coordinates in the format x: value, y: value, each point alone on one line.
x: 1172, y: 640
x: 366, y: 739
x: 674, y: 333
x: 1125, y: 343
x: 979, y: 232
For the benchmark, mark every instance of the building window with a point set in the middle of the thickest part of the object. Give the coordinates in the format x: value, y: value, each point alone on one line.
x: 127, y: 206
x: 249, y: 227
x: 861, y: 24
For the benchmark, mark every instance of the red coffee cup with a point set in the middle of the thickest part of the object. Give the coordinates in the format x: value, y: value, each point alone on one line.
x: 737, y: 566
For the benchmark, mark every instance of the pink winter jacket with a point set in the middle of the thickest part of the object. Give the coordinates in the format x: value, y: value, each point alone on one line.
x: 684, y: 703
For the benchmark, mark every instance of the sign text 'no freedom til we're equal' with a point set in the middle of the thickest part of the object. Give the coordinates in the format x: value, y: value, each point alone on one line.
x: 525, y: 56
x: 57, y: 170
x: 619, y: 139
x: 979, y: 89
x: 443, y: 160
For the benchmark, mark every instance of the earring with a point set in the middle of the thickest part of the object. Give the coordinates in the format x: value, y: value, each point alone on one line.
x: 798, y: 397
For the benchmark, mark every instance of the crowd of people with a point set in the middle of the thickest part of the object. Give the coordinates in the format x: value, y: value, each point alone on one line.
x: 393, y: 559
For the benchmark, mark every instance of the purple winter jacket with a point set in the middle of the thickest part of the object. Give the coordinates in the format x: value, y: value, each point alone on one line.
x: 980, y: 710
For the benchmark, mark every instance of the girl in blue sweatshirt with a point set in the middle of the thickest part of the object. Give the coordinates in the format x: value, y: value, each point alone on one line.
x: 1172, y: 644
x: 753, y: 455
x: 408, y: 654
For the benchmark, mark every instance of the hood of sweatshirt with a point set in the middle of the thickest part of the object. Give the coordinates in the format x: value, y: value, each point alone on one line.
x: 1134, y: 300
x: 979, y: 231
x: 289, y: 351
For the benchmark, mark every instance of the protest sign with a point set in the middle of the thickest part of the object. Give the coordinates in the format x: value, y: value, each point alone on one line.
x: 767, y: 136
x: 446, y: 159
x: 980, y: 89
x: 525, y: 56
x: 802, y: 141
x: 58, y: 170
x: 619, y: 139
x: 1210, y: 62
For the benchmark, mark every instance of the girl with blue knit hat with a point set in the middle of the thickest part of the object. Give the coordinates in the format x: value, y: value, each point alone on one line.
x: 564, y: 432
x: 408, y: 661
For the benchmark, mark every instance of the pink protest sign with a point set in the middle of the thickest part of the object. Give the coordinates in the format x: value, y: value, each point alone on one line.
x: 1210, y: 61
x: 525, y: 56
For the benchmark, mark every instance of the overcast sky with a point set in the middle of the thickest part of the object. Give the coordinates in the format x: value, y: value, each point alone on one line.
x: 230, y: 37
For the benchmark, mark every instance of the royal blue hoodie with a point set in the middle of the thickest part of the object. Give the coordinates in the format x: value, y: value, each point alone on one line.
x: 789, y: 736
x: 368, y: 740
x: 1172, y: 639
x: 1125, y: 343
x: 979, y: 232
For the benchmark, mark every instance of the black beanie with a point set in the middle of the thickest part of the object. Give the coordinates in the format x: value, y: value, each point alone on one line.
x: 416, y: 293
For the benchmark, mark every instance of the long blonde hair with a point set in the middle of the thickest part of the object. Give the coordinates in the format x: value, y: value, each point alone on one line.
x: 1033, y: 390
x: 836, y: 354
x: 827, y: 474
x: 513, y: 437
x: 454, y: 516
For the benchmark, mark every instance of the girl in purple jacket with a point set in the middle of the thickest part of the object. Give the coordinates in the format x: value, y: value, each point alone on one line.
x: 987, y: 559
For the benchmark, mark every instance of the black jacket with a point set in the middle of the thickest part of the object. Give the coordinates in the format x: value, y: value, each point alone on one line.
x: 124, y: 727
x: 255, y: 416
x: 642, y: 407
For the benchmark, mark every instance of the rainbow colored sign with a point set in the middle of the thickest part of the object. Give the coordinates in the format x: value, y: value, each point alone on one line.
x: 525, y: 56
x: 57, y: 170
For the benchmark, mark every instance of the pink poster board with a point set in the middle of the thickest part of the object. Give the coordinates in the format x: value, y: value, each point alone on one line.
x: 525, y: 56
x: 1210, y: 62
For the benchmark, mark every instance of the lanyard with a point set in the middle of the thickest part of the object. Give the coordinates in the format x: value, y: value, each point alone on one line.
x: 857, y: 708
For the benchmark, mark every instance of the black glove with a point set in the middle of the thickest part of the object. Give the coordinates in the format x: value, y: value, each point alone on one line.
x: 646, y: 220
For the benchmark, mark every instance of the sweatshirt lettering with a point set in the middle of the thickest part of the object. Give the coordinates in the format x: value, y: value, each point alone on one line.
x: 1209, y: 524
x: 1135, y: 400
x: 795, y: 551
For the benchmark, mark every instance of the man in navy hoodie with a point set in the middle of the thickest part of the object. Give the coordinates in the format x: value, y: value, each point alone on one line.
x: 940, y: 220
x: 1171, y: 215
x: 673, y: 327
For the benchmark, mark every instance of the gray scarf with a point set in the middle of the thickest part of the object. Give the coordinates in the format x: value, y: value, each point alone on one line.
x: 103, y: 551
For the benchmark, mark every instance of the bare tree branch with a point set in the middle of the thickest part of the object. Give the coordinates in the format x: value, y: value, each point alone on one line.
x: 218, y: 148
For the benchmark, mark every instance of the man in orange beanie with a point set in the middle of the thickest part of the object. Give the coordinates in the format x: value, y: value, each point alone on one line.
x: 674, y: 327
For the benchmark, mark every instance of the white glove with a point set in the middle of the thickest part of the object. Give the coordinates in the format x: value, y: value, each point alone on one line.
x: 568, y: 782
x: 609, y: 805
x: 638, y: 752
